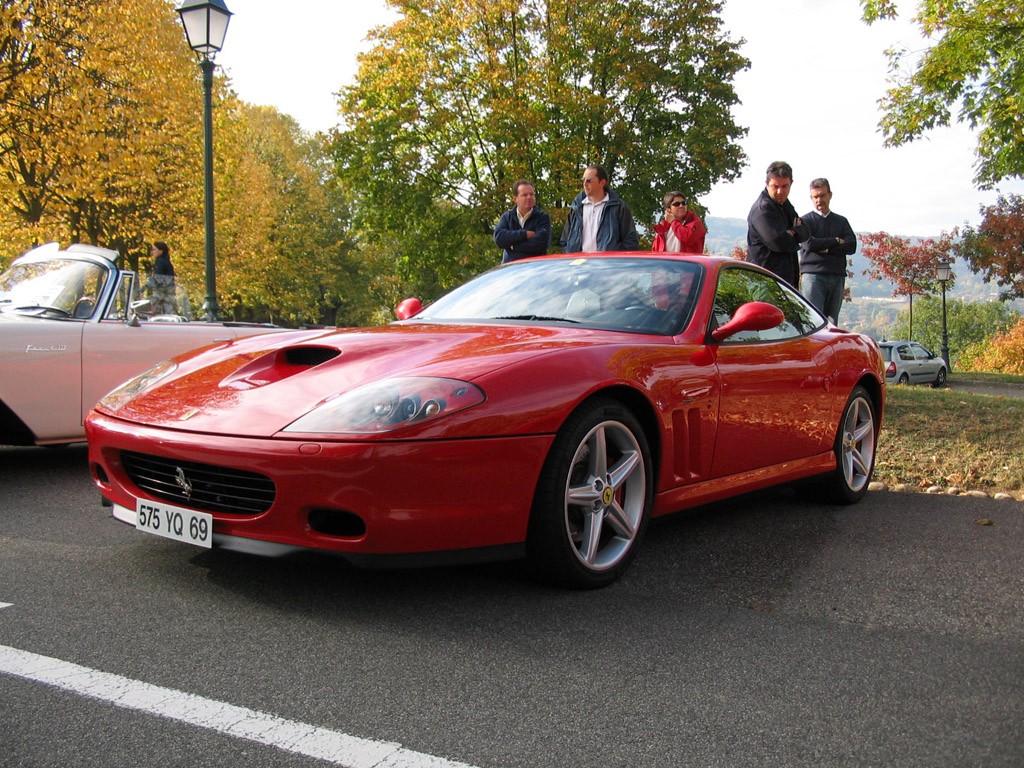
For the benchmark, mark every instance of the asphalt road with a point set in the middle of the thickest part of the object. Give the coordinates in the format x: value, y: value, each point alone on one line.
x: 763, y: 632
x: 986, y: 388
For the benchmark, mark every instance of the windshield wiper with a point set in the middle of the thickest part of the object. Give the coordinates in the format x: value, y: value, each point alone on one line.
x: 541, y: 318
x: 44, y: 307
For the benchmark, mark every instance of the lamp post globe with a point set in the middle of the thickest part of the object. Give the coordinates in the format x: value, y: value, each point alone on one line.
x: 206, y: 24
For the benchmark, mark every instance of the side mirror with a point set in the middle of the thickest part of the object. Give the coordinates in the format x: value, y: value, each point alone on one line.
x: 752, y: 316
x: 408, y: 308
x: 134, y: 308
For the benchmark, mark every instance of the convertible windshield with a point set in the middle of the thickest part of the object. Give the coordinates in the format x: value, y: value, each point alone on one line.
x: 646, y: 295
x: 63, y: 285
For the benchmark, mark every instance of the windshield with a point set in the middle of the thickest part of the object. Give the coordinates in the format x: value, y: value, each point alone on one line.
x: 62, y: 285
x: 643, y: 295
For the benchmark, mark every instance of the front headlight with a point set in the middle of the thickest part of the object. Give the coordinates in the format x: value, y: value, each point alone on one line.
x: 388, y: 405
x: 116, y: 398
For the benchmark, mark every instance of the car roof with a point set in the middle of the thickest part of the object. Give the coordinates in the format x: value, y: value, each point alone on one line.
x: 80, y: 251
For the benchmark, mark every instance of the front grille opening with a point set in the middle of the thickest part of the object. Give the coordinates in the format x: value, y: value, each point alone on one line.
x: 206, y: 487
x: 309, y: 356
x: 337, y: 522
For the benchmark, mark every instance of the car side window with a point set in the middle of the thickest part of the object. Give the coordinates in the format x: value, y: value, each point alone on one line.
x: 118, y: 309
x: 906, y: 353
x: 738, y: 286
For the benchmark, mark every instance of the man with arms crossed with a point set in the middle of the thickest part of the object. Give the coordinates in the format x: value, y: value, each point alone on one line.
x: 823, y: 255
x: 526, y: 229
x: 774, y: 231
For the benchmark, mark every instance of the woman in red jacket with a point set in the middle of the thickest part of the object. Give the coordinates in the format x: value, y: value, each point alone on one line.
x: 681, y: 231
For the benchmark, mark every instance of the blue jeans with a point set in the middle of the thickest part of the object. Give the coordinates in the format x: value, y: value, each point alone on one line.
x: 825, y: 292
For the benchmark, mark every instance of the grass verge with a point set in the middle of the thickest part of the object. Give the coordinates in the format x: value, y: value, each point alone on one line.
x: 952, y: 438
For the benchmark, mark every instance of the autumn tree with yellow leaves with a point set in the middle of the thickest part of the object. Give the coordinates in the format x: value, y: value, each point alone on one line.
x: 98, y: 123
x: 100, y: 142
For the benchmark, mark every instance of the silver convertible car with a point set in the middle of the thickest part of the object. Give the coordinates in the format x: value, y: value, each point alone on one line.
x: 70, y: 331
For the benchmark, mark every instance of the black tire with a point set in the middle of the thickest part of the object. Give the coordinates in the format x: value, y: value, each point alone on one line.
x: 904, y: 379
x: 593, y: 499
x: 855, y: 446
x: 940, y: 379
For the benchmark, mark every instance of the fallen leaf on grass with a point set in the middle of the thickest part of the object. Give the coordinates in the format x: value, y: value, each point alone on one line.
x: 983, y: 521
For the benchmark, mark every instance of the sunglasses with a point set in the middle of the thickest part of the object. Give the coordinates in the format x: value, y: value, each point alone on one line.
x: 677, y: 203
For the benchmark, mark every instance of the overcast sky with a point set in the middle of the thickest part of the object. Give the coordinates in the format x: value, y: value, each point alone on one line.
x: 810, y: 98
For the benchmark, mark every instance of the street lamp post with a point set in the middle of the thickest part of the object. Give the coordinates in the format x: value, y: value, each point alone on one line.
x: 206, y: 24
x: 943, y: 272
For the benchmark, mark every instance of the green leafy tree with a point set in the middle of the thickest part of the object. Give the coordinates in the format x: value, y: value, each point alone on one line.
x: 968, y: 325
x: 973, y: 73
x: 457, y: 100
x: 996, y: 247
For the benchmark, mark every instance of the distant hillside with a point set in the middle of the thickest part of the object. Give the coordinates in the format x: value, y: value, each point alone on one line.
x: 873, y: 306
x: 725, y: 234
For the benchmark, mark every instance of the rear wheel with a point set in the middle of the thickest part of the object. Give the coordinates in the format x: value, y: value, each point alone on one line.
x: 855, y: 443
x: 904, y: 379
x: 593, y: 498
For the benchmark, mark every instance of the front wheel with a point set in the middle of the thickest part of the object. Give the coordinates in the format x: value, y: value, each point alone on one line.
x: 593, y: 498
x: 854, y: 447
x: 940, y: 379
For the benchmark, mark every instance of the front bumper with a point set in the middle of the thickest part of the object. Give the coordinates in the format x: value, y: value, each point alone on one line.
x: 413, y: 497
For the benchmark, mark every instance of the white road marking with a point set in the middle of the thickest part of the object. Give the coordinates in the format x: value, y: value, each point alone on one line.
x: 5, y: 605
x: 240, y: 722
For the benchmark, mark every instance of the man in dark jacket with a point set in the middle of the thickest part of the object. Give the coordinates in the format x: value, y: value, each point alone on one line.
x: 823, y: 255
x: 526, y: 229
x: 599, y: 220
x: 774, y: 231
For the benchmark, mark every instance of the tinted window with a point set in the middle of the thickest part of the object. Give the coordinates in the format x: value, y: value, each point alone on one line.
x: 646, y: 295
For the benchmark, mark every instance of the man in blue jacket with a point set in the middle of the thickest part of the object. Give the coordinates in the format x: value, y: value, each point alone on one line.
x: 526, y: 229
x: 599, y: 220
x: 774, y: 231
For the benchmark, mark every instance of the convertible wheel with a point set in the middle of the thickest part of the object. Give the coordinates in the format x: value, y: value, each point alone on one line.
x: 593, y: 498
x: 940, y: 379
x: 854, y: 448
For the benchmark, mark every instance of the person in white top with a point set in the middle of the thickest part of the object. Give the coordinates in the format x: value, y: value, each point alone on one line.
x: 599, y: 220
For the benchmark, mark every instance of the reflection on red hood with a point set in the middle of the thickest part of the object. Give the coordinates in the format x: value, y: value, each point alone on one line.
x: 274, y: 380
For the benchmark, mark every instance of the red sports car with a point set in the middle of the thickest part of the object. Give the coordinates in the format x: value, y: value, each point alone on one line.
x: 548, y: 408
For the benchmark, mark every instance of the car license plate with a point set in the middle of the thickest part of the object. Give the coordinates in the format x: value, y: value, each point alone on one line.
x: 176, y: 523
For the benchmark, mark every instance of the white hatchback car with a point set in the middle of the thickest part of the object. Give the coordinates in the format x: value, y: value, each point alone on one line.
x: 907, y: 362
x: 70, y: 333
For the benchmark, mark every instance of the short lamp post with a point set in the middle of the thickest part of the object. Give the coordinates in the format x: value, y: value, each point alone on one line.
x: 943, y: 273
x: 206, y: 24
